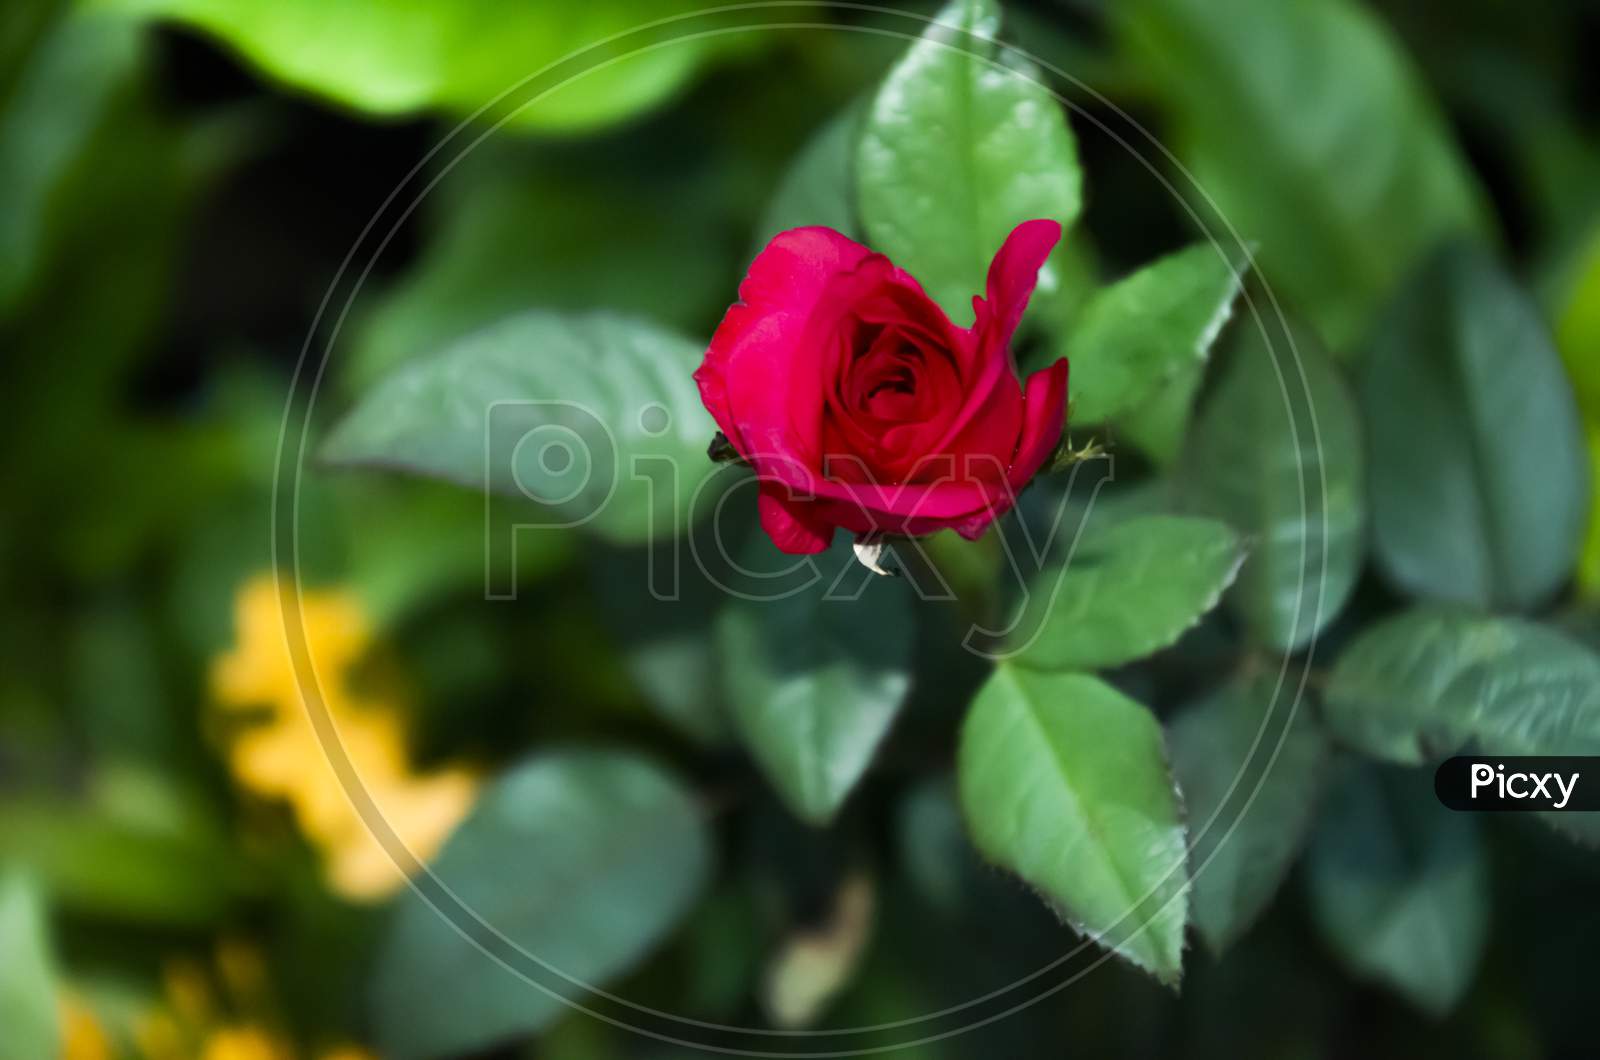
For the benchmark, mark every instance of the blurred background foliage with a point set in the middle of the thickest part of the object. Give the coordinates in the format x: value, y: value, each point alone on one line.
x: 181, y: 873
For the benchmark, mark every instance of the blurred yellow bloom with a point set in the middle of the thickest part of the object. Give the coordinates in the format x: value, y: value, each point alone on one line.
x: 193, y: 1021
x: 82, y: 1037
x: 188, y: 991
x: 281, y: 756
x: 241, y: 969
x: 159, y: 1037
x: 243, y: 1043
x: 253, y: 1043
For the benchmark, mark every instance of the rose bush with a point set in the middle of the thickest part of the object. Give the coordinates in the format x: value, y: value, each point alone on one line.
x: 861, y: 405
x: 386, y: 675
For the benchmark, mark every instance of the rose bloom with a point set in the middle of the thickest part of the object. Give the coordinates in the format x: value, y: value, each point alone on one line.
x: 860, y: 405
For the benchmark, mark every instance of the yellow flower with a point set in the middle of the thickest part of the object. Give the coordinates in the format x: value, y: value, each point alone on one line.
x: 82, y: 1036
x: 188, y: 991
x: 281, y: 756
x: 191, y: 1019
x: 253, y: 1043
x: 159, y: 1037
x: 243, y: 1043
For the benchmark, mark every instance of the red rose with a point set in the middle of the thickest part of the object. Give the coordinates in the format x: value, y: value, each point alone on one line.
x: 860, y: 405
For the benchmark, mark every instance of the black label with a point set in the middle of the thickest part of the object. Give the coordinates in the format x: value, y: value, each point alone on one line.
x: 1488, y: 782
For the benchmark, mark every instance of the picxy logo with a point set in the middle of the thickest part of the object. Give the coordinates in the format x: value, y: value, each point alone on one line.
x: 1526, y: 782
x: 1523, y: 785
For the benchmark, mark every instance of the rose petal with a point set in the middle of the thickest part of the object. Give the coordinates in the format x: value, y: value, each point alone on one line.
x: 1013, y: 274
x: 751, y: 366
x: 795, y: 526
x: 1044, y: 411
x: 989, y: 419
x: 919, y: 507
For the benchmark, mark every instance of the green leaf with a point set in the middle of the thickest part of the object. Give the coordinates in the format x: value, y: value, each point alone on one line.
x: 819, y: 188
x: 1342, y: 180
x: 1400, y: 886
x: 1578, y: 338
x: 411, y: 542
x: 932, y: 846
x: 1480, y: 480
x: 457, y: 55
x: 99, y: 298
x: 1158, y: 425
x: 665, y: 637
x: 1135, y: 336
x: 960, y: 145
x: 1250, y: 765
x: 1578, y: 325
x: 573, y: 866
x: 64, y: 94
x: 1127, y: 590
x: 27, y: 975
x: 169, y: 871
x: 1063, y: 781
x: 1276, y: 452
x: 1589, y: 557
x: 1420, y: 685
x: 815, y: 682
x: 513, y: 227
x: 593, y: 415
